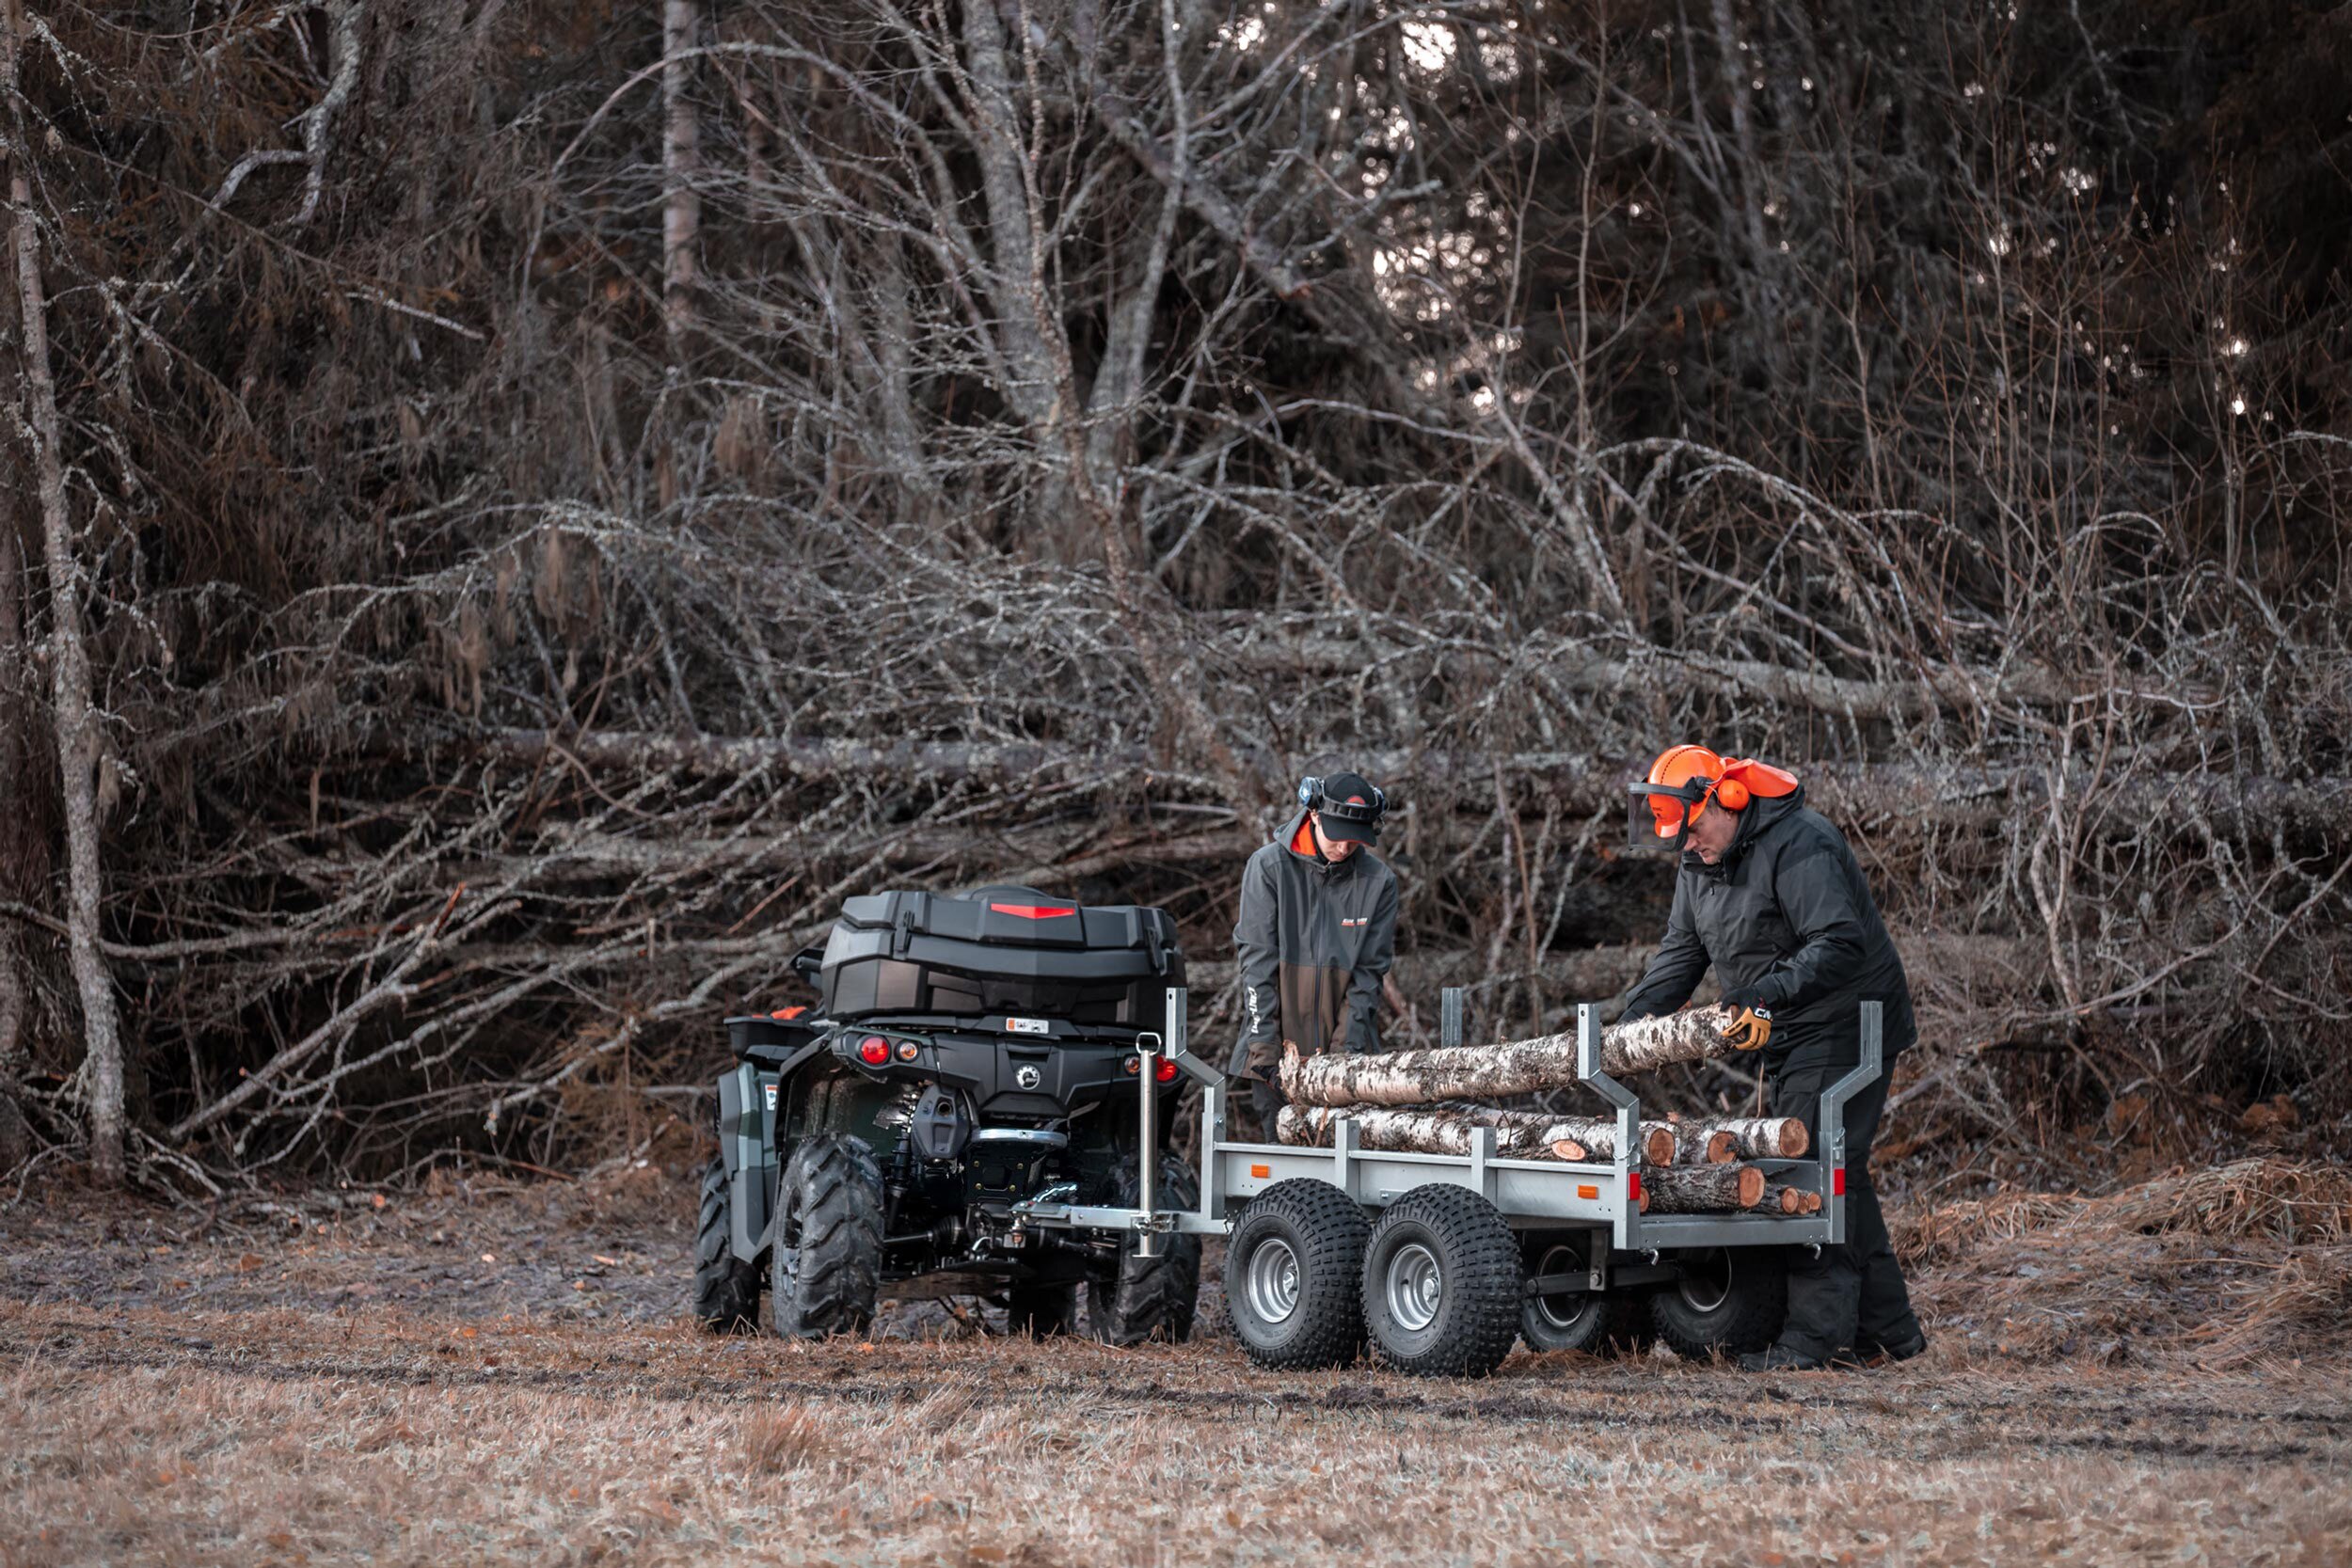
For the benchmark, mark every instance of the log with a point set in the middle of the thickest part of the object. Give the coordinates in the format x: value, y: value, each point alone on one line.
x: 1701, y: 1189
x: 1717, y: 1140
x: 1447, y: 1129
x: 1495, y: 1071
x: 1783, y: 1199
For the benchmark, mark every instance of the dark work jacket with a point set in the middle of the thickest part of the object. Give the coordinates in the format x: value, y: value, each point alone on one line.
x: 1314, y: 938
x: 1788, y: 915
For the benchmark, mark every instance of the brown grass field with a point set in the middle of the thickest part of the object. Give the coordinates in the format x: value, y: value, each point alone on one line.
x: 499, y: 1374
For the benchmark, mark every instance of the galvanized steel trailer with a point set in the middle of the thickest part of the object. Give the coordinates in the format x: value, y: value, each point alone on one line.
x: 1442, y: 1259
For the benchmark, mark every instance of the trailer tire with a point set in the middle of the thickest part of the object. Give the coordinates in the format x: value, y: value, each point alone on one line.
x: 1596, y: 1323
x: 727, y: 1288
x: 1293, y: 1269
x: 824, y: 1269
x: 1041, y: 1311
x: 1729, y: 1299
x: 1441, y: 1284
x: 1137, y: 1299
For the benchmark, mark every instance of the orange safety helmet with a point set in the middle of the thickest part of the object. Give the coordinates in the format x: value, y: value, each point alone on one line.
x: 1685, y: 780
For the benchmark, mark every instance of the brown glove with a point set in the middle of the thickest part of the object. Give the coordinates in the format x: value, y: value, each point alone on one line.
x: 1750, y: 1029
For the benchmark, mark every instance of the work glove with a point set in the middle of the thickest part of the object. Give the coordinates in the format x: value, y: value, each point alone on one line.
x: 1751, y: 1021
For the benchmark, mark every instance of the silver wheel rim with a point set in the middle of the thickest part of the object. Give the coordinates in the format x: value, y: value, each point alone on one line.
x: 1272, y: 1282
x: 1546, y: 1307
x: 1706, y: 1282
x: 1413, y: 1286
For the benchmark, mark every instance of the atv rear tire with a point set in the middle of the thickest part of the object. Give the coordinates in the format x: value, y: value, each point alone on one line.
x: 1596, y: 1323
x: 1148, y: 1298
x: 1441, y: 1284
x: 1729, y: 1299
x: 1293, y: 1277
x: 825, y: 1267
x: 1041, y: 1311
x: 727, y: 1288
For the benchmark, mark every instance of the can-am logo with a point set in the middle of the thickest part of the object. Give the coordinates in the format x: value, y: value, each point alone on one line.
x: 1029, y: 1078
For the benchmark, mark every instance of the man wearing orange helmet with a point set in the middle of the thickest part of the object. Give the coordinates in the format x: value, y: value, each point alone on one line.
x: 1771, y: 897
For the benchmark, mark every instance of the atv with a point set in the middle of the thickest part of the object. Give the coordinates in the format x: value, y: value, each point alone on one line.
x: 967, y: 1055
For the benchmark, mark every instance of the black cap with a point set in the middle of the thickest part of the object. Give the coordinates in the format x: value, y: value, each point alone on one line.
x: 1353, y: 794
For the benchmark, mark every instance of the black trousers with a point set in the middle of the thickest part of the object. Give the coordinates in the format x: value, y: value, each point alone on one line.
x: 1850, y: 1296
x: 1266, y: 1099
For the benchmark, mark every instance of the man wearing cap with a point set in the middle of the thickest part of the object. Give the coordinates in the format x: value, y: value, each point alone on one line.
x: 1316, y: 933
x: 1770, y: 895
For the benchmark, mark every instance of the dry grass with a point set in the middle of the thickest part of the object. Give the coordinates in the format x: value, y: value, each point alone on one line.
x: 500, y: 1422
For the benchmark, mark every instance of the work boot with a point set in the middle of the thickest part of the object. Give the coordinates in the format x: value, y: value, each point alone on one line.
x: 1903, y: 1350
x: 1780, y: 1358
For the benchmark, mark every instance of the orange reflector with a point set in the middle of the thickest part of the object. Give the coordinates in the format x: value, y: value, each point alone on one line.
x: 1583, y: 1190
x: 1261, y: 1172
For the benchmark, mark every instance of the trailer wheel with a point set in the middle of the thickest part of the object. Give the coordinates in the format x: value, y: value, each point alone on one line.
x: 1292, y: 1272
x: 1729, y: 1299
x: 1441, y: 1284
x: 1137, y: 1298
x: 1596, y: 1323
x: 727, y: 1288
x: 825, y: 1267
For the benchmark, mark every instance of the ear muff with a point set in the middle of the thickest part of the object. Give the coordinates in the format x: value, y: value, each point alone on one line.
x: 1308, y: 789
x: 1732, y: 794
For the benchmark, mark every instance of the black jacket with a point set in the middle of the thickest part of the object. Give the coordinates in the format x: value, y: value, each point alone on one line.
x: 1789, y: 916
x: 1314, y: 938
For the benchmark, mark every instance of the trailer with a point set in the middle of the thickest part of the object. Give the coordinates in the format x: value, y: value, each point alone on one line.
x: 1441, y: 1262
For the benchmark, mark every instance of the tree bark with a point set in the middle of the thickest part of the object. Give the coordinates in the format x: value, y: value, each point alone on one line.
x: 1701, y: 1189
x: 1717, y: 1140
x: 1496, y: 1071
x: 681, y: 156
x: 76, y: 723
x: 1447, y: 1130
x: 1783, y: 1199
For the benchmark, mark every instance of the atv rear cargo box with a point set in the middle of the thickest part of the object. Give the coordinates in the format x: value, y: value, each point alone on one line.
x: 1007, y: 950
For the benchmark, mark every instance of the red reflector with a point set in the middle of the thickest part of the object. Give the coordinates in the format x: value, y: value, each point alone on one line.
x: 1036, y: 911
x: 873, y: 1050
x: 1838, y: 1182
x: 1166, y: 1072
x: 1261, y: 1172
x: 1633, y: 1187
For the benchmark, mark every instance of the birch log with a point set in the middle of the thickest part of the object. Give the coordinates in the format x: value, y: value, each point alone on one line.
x: 1783, y: 1200
x: 1719, y: 1140
x: 1701, y: 1189
x: 1493, y: 1072
x: 1446, y: 1130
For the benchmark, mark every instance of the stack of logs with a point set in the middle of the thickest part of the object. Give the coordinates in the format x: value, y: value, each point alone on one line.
x: 1425, y: 1103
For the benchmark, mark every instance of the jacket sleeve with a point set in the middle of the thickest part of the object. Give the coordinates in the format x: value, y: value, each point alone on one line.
x: 1816, y: 898
x: 1675, y: 970
x: 1258, y: 952
x: 1371, y: 965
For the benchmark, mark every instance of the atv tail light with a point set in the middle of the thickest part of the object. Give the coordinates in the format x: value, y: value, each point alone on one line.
x: 1036, y: 911
x: 908, y: 1050
x: 873, y: 1050
x: 1133, y: 1064
x: 1166, y: 1072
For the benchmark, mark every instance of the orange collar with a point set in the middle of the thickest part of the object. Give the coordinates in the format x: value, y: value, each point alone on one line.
x: 1303, y: 841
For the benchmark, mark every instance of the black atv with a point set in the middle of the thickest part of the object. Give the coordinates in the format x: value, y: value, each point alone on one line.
x: 968, y: 1053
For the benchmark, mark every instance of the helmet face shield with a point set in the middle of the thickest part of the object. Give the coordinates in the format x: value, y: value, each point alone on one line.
x: 1658, y: 815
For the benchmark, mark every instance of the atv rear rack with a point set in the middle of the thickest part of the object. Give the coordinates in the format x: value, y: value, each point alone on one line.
x: 1528, y: 1193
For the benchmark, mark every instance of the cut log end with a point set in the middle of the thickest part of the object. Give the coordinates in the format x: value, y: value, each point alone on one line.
x: 1751, y: 1187
x: 1658, y: 1145
x: 1569, y: 1148
x: 1722, y: 1148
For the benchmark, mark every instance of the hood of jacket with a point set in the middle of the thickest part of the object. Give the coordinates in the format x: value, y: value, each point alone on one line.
x: 1764, y: 813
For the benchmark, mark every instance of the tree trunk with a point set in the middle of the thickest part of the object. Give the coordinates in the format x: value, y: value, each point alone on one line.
x: 681, y: 151
x: 1495, y: 1071
x: 1717, y: 1140
x: 1447, y: 1129
x: 1701, y: 1189
x: 76, y: 723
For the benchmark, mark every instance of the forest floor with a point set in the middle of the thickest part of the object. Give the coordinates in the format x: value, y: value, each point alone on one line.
x: 488, y: 1371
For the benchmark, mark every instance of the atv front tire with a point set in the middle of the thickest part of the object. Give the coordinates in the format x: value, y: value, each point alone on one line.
x: 1139, y: 1298
x: 825, y: 1267
x: 727, y: 1288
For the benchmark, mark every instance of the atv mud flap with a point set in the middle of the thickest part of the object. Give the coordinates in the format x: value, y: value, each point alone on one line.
x: 746, y: 1114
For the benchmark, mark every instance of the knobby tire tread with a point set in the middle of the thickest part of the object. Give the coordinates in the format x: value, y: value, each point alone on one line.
x: 727, y: 1289
x: 1330, y: 1233
x: 1478, y: 1319
x: 833, y: 1189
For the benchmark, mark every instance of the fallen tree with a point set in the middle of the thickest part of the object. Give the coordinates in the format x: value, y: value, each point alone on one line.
x: 1497, y: 1071
x: 1448, y: 1130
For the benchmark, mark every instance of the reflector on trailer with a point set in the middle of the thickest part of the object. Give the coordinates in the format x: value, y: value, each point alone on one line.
x: 1633, y: 1187
x: 1585, y: 1189
x: 1838, y: 1182
x: 1261, y: 1172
